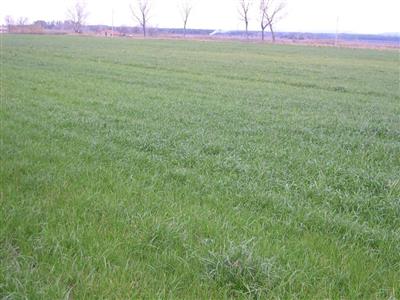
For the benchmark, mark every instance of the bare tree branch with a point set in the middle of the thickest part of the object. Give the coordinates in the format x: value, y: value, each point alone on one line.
x: 22, y: 21
x: 141, y: 13
x: 186, y: 9
x: 78, y: 15
x: 244, y: 8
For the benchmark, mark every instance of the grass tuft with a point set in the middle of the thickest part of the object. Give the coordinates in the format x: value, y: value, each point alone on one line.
x: 241, y: 271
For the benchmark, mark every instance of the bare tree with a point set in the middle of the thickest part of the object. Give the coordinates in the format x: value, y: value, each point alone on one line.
x: 78, y: 15
x: 244, y: 7
x: 186, y: 9
x: 141, y: 14
x: 22, y: 21
x: 9, y: 21
x: 270, y: 13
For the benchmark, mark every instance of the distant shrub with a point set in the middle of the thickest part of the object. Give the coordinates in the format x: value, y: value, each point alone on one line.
x: 31, y: 29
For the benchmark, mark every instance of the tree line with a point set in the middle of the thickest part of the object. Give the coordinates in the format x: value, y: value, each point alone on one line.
x: 267, y: 12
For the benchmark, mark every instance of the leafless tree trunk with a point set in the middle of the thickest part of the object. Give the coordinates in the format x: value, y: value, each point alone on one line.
x: 78, y: 15
x: 263, y: 17
x: 186, y: 9
x: 272, y: 32
x: 141, y: 14
x: 244, y: 7
x: 270, y: 13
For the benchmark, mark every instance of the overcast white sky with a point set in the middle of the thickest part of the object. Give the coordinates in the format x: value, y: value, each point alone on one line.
x: 359, y: 16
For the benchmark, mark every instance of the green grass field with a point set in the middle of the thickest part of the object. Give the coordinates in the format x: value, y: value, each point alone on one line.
x: 196, y: 170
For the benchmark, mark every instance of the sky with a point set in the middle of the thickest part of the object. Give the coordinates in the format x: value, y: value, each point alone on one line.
x: 355, y: 16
